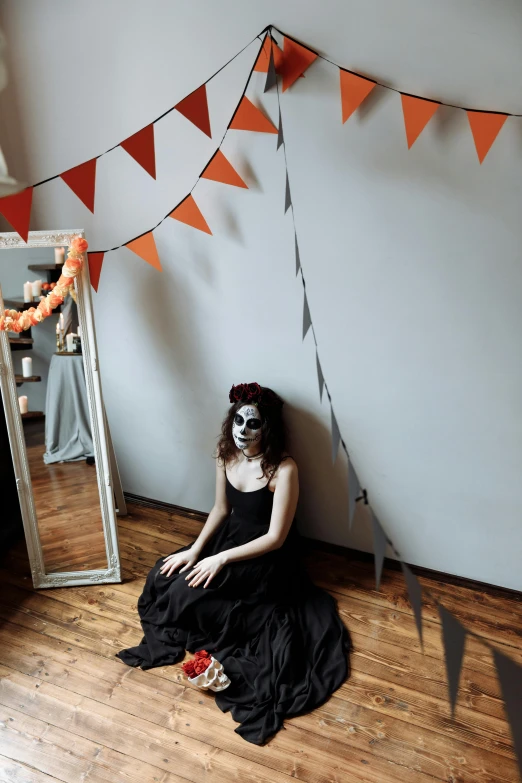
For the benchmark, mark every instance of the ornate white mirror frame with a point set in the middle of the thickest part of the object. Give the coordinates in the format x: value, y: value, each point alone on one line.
x: 106, y: 468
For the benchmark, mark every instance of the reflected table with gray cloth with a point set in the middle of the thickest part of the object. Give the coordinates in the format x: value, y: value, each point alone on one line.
x: 68, y: 436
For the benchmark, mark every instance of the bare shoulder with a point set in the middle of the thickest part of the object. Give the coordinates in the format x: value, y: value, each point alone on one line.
x: 287, y: 469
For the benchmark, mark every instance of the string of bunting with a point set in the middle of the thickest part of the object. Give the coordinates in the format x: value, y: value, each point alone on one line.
x: 290, y: 63
x: 453, y: 632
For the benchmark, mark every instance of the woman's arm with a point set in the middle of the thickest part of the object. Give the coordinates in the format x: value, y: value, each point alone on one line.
x: 286, y: 495
x: 220, y: 511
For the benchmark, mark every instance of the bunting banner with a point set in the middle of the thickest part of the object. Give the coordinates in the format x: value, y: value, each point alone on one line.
x: 288, y: 198
x: 271, y: 75
x: 307, y: 321
x: 290, y: 63
x: 82, y: 181
x: 145, y: 247
x: 95, y: 267
x: 485, y: 128
x: 195, y: 108
x: 354, y: 488
x: 188, y: 212
x: 296, y: 59
x: 220, y: 170
x: 297, y: 257
x: 249, y: 118
x: 320, y: 376
x: 140, y: 146
x: 336, y: 435
x: 417, y: 113
x: 280, y: 138
x: 17, y: 211
x: 354, y: 89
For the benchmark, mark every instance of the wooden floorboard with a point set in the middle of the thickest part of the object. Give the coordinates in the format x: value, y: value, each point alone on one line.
x: 71, y: 711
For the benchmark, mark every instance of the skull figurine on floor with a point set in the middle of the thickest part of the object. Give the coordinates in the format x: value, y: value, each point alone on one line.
x: 213, y: 678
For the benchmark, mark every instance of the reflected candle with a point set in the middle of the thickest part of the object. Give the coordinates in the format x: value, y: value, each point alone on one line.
x: 37, y: 288
x: 59, y: 255
x: 28, y: 292
x: 22, y: 402
x: 27, y: 366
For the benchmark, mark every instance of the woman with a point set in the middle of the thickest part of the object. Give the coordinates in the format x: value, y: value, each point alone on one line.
x: 240, y: 590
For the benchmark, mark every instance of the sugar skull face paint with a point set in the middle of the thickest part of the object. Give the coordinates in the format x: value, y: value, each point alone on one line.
x: 246, y: 427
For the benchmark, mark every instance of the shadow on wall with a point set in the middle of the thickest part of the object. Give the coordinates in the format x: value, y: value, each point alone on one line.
x: 180, y: 351
x: 323, y: 485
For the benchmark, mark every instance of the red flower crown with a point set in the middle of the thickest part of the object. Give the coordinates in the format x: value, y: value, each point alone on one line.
x: 255, y: 394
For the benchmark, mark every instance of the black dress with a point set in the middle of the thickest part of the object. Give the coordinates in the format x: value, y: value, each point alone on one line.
x: 278, y: 635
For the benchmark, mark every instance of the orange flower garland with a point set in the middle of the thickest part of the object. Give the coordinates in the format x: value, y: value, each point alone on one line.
x: 16, y: 321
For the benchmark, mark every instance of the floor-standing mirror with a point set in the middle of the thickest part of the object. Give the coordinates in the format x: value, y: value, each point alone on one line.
x: 64, y: 462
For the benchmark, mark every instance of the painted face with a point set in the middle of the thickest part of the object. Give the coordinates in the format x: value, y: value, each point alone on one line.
x: 246, y: 426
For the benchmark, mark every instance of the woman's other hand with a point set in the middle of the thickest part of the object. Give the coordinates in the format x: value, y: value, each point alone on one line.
x: 187, y: 559
x: 206, y: 569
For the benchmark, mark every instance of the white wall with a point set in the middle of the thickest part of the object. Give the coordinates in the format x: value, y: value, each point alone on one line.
x: 412, y: 259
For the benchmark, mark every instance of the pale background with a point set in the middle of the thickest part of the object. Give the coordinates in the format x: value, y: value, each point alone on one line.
x: 412, y: 259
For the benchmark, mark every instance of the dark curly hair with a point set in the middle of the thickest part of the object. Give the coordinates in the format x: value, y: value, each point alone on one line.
x: 273, y: 429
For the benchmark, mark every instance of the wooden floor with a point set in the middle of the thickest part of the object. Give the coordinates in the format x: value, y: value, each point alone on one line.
x: 67, y: 503
x: 70, y: 711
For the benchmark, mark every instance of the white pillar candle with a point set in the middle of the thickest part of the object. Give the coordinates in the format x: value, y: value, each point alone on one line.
x: 69, y: 341
x: 27, y: 366
x: 22, y: 401
x: 59, y: 255
x: 61, y: 322
x: 28, y: 292
x: 37, y: 288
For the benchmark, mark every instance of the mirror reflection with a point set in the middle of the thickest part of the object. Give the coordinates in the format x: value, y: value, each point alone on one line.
x: 52, y: 396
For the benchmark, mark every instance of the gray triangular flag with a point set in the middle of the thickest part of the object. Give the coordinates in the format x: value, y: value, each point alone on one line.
x: 379, y: 549
x: 354, y: 489
x: 271, y: 76
x: 297, y: 257
x: 415, y: 594
x: 280, y: 139
x: 307, y: 321
x: 510, y: 676
x: 336, y: 436
x: 454, y: 639
x: 320, y: 376
x: 288, y: 199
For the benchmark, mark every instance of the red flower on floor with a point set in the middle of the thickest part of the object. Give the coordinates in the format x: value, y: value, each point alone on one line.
x: 201, y: 661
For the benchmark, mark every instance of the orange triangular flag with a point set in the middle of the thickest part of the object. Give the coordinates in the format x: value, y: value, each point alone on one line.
x: 263, y: 59
x: 354, y: 89
x: 140, y: 146
x: 417, y: 113
x: 248, y: 117
x: 17, y: 211
x: 296, y: 59
x: 220, y: 170
x: 145, y: 247
x: 82, y: 181
x: 188, y: 212
x: 485, y: 127
x: 95, y: 267
x: 195, y: 108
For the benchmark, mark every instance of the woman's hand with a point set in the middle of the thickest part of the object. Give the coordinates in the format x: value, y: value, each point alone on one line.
x: 206, y: 569
x: 187, y: 558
